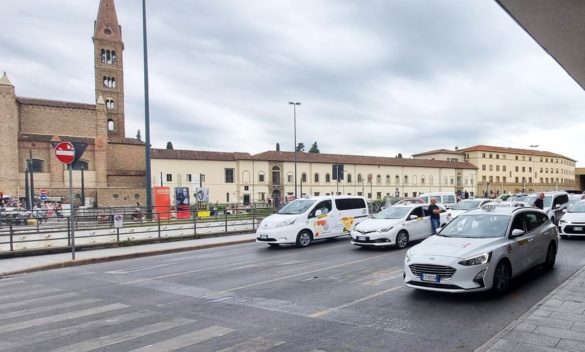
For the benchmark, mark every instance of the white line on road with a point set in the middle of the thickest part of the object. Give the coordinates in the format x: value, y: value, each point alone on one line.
x: 134, y: 270
x: 186, y: 340
x: 47, y: 308
x: 329, y: 310
x: 27, y: 293
x: 257, y: 344
x: 300, y: 274
x: 122, y: 336
x: 43, y: 300
x: 61, y: 317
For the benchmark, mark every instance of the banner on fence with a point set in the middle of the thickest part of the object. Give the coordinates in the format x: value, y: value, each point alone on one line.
x: 118, y: 220
x: 182, y: 202
x: 202, y: 194
x: 162, y: 202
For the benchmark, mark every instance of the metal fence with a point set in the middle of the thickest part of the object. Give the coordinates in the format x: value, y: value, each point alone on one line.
x: 34, y: 231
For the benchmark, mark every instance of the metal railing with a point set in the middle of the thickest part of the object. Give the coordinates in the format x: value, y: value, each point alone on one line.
x: 37, y: 230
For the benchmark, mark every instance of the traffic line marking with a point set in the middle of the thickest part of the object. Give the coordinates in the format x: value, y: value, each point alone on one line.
x: 329, y: 310
x: 187, y: 340
x: 257, y: 344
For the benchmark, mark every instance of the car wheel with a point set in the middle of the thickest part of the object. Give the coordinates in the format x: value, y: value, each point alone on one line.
x: 551, y: 255
x: 401, y: 239
x: 564, y: 237
x: 304, y: 239
x: 502, y: 278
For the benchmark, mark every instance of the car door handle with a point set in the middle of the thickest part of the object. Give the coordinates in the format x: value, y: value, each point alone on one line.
x: 530, y: 239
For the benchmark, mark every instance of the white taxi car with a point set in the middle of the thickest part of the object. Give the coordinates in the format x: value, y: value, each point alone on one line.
x: 572, y: 223
x: 466, y: 205
x: 396, y: 225
x: 482, y: 249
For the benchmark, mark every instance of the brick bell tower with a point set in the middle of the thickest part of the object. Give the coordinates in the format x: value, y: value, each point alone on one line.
x: 109, y: 69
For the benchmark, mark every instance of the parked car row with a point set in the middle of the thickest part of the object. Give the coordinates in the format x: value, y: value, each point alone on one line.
x: 481, y: 248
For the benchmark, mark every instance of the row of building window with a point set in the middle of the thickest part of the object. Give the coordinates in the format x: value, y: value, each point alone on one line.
x: 523, y: 157
x: 518, y: 180
x: 523, y: 168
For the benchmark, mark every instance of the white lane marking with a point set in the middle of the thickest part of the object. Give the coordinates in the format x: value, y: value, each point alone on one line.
x: 257, y: 344
x: 300, y: 274
x: 28, y: 293
x: 43, y: 300
x: 135, y: 270
x: 47, y: 308
x: 10, y: 290
x: 122, y: 336
x: 329, y: 310
x: 186, y: 340
x: 10, y: 282
x: 61, y: 317
x: 91, y: 325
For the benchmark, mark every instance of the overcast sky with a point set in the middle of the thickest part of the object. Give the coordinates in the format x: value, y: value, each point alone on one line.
x: 376, y: 77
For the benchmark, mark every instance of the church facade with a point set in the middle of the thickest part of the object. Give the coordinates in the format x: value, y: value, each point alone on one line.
x: 113, y: 165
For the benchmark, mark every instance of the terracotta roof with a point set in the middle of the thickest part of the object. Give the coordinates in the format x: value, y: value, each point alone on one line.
x: 531, y: 152
x: 439, y: 151
x: 50, y: 138
x: 126, y: 141
x: 54, y: 103
x: 197, y: 155
x: 360, y: 160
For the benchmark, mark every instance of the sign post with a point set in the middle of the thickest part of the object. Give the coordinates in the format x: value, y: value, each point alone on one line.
x: 65, y: 153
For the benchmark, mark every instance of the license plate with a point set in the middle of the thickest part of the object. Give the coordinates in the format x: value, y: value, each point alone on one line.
x: 361, y: 238
x: 263, y: 237
x: 578, y: 228
x: 429, y: 277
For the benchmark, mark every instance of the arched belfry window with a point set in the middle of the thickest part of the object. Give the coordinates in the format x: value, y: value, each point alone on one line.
x: 108, y: 56
x: 110, y: 103
x: 111, y: 125
x: 109, y: 82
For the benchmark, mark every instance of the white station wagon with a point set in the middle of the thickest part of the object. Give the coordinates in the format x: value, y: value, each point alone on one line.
x: 482, y: 249
x: 396, y: 225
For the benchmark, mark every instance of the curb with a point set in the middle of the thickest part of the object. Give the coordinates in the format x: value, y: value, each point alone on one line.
x: 500, y: 335
x: 80, y: 262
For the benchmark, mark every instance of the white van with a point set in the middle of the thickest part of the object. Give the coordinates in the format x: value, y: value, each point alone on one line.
x: 446, y: 199
x: 304, y: 220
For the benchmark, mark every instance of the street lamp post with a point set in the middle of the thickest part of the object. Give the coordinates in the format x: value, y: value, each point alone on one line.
x: 294, y: 104
x: 533, y: 168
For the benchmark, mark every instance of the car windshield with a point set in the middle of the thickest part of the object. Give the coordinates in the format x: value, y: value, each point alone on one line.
x: 466, y: 205
x: 477, y: 226
x: 578, y: 207
x: 518, y: 198
x: 547, y: 200
x: 298, y: 206
x: 392, y: 213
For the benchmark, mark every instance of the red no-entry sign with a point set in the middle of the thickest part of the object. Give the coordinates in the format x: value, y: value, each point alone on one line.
x: 65, y: 152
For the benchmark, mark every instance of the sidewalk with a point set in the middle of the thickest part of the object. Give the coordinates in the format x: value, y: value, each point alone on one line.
x: 10, y: 266
x: 556, y: 323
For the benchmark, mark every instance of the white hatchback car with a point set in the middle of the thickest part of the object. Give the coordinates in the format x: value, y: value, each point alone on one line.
x: 572, y: 223
x: 467, y: 204
x: 482, y: 249
x: 396, y: 225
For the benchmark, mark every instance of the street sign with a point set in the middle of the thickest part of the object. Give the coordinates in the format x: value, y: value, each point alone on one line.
x: 43, y: 195
x: 65, y: 152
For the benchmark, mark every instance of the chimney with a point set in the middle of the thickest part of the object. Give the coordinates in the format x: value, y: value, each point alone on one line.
x: 277, y: 147
x: 456, y: 148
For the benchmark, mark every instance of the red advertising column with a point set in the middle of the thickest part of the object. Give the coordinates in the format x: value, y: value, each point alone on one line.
x: 162, y: 202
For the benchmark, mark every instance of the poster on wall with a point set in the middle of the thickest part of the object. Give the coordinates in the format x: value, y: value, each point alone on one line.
x: 202, y: 194
x: 162, y: 202
x: 182, y: 202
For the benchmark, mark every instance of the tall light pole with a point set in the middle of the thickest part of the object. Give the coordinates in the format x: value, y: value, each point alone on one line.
x: 147, y: 177
x: 294, y: 104
x: 533, y: 168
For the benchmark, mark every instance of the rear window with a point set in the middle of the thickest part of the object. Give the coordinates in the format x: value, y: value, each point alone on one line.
x: 449, y: 199
x: 350, y: 203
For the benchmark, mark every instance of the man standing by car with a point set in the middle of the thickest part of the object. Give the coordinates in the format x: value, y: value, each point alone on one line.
x: 539, y: 203
x: 435, y: 213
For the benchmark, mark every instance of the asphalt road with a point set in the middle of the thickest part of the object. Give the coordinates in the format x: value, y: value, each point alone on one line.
x: 330, y: 296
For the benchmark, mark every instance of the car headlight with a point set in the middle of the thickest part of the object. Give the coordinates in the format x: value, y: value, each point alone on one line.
x: 286, y: 222
x: 386, y: 229
x: 477, y: 260
x: 407, y: 258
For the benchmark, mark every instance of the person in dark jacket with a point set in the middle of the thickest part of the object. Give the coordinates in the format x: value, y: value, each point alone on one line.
x: 539, y: 202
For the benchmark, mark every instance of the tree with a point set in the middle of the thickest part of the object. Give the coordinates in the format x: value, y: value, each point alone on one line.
x: 399, y: 156
x: 300, y: 147
x: 170, y: 145
x: 314, y: 148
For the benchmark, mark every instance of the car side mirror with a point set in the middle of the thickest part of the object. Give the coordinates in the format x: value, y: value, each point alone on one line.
x: 318, y: 212
x: 517, y: 233
x: 438, y: 229
x: 557, y: 206
x: 413, y: 217
x: 564, y: 210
